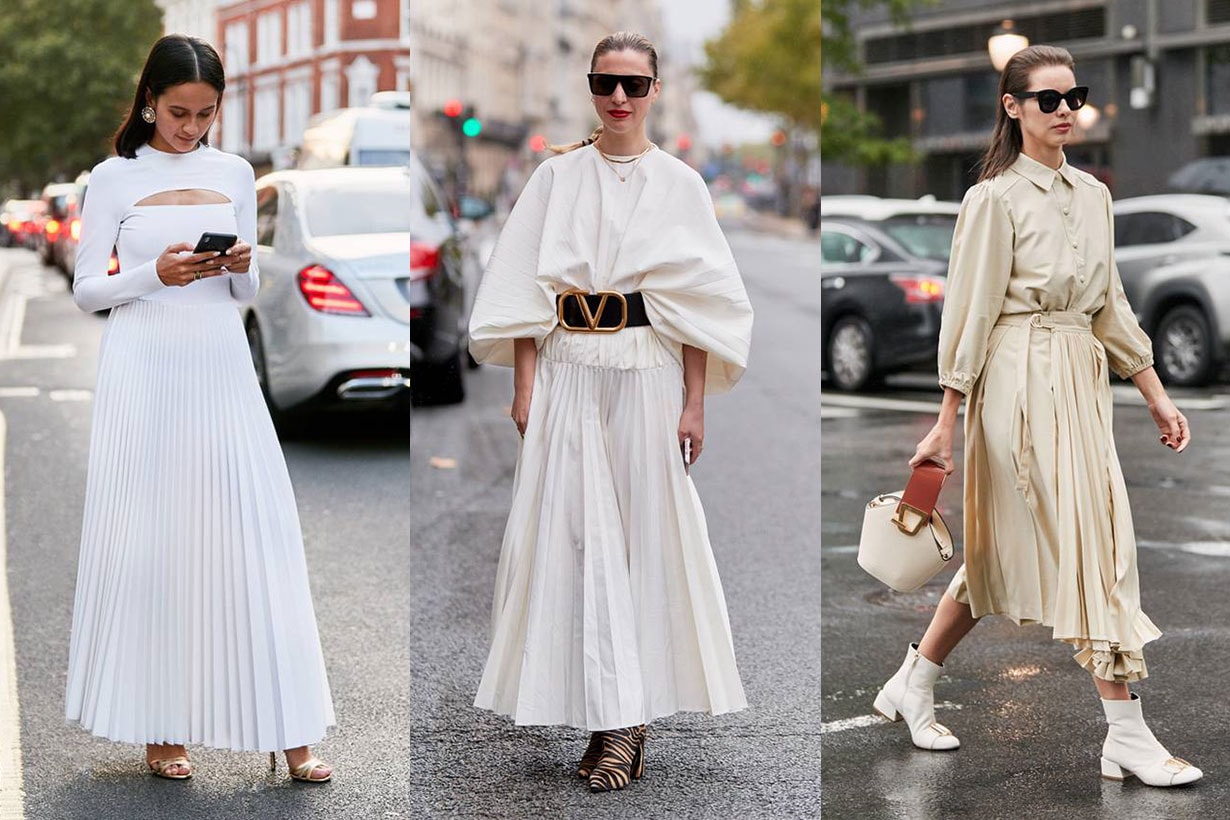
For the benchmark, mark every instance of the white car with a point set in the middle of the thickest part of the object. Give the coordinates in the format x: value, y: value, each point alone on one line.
x: 330, y: 325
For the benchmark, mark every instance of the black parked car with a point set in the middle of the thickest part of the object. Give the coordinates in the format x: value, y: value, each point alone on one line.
x: 442, y: 268
x: 883, y: 269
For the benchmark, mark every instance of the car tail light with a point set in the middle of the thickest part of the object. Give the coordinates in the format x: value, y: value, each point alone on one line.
x: 417, y: 313
x: 326, y: 293
x: 74, y: 229
x: 113, y: 267
x: 31, y: 227
x: 15, y: 225
x: 52, y: 228
x: 920, y: 289
x: 424, y: 259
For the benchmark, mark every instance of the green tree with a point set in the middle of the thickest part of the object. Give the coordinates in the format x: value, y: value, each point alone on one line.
x: 852, y: 136
x: 768, y: 59
x: 68, y: 72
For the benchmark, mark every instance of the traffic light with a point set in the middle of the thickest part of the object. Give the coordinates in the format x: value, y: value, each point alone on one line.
x: 538, y: 143
x: 472, y: 127
x: 453, y: 108
x: 683, y: 142
x: 778, y: 139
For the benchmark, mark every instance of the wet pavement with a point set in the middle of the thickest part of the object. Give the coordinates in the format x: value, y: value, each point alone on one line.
x: 1028, y: 717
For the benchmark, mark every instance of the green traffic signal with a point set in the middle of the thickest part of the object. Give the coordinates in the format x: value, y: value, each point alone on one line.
x: 472, y: 127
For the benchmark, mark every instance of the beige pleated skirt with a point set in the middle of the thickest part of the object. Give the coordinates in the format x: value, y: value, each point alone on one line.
x: 1048, y: 528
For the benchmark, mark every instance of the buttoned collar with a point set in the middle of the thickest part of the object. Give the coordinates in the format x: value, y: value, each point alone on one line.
x: 1042, y: 175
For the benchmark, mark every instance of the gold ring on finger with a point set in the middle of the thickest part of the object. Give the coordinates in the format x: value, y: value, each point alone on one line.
x: 196, y: 275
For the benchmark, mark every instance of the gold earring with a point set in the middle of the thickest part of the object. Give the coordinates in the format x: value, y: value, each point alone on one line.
x: 147, y: 114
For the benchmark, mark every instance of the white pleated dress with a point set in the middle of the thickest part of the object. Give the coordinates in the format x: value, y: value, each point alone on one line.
x: 193, y: 619
x: 608, y: 607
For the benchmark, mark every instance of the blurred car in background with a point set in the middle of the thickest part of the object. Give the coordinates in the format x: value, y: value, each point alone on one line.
x: 375, y: 135
x: 1172, y: 253
x: 444, y: 276
x: 328, y: 327
x: 883, y: 269
x: 21, y: 222
x: 54, y: 219
x: 64, y: 249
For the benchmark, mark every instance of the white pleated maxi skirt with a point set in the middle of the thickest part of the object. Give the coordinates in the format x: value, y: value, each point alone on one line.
x: 193, y: 620
x: 608, y: 608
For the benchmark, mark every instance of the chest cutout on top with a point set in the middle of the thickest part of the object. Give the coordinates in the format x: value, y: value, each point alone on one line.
x: 185, y: 196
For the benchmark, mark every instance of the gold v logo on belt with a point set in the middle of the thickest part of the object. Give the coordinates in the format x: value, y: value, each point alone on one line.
x: 591, y: 317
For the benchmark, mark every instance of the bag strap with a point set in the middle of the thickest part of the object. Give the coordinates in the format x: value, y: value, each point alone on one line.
x: 922, y: 492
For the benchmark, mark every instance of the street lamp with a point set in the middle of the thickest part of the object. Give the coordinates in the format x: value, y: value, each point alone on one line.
x: 1088, y: 116
x: 1003, y: 43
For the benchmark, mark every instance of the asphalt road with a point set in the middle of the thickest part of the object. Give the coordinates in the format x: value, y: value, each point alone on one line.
x: 1029, y: 721
x: 758, y: 481
x: 351, y: 478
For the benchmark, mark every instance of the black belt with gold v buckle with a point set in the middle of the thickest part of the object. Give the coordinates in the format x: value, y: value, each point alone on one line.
x: 606, y: 311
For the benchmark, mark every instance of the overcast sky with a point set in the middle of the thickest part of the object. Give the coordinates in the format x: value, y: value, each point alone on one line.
x: 689, y: 23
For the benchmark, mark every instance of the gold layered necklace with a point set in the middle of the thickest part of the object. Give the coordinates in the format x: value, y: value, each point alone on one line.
x: 613, y: 163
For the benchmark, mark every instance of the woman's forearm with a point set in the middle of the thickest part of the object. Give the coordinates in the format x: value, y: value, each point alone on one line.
x: 525, y: 357
x: 1149, y: 385
x: 695, y: 361
x: 950, y: 406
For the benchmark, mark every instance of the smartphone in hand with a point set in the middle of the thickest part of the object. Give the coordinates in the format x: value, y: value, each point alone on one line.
x: 686, y: 448
x: 220, y: 242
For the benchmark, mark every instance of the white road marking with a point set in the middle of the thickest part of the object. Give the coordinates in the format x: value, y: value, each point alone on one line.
x: 71, y: 395
x: 837, y: 413
x: 18, y: 392
x: 876, y: 403
x: 863, y: 721
x: 1126, y: 394
x: 12, y: 797
x: 26, y: 286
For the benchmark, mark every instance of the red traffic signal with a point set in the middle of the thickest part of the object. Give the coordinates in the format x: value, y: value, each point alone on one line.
x: 538, y: 143
x: 453, y: 108
x: 683, y: 142
x: 778, y: 138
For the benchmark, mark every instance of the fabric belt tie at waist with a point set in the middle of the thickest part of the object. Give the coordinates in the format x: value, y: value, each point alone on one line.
x: 602, y: 312
x: 1061, y: 321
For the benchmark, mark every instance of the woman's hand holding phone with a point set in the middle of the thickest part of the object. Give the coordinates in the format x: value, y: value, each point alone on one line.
x: 178, y: 266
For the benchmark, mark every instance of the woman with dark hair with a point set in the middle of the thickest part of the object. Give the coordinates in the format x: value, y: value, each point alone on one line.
x: 1034, y: 317
x: 193, y: 619
x: 615, y: 298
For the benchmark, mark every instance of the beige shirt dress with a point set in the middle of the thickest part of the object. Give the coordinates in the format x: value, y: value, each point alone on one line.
x: 1033, y: 317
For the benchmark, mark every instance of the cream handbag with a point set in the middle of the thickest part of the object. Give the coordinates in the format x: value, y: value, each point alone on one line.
x: 905, y: 542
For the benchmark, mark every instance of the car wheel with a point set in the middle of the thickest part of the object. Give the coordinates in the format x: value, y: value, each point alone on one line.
x: 256, y: 347
x: 851, y: 349
x: 1183, y: 347
x: 438, y: 383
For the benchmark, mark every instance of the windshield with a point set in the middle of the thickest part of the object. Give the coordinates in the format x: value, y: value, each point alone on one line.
x: 355, y: 210
x: 382, y: 156
x: 926, y: 235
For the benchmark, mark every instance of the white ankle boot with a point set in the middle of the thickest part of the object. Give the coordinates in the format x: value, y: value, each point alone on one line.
x: 1131, y: 749
x: 908, y: 695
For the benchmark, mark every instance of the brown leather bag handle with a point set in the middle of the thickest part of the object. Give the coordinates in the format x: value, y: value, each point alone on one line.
x: 922, y: 492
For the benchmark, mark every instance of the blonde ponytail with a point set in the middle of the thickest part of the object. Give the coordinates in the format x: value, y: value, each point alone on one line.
x: 564, y: 149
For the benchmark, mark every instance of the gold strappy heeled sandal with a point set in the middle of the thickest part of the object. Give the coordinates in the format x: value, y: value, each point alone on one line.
x: 303, y: 772
x: 160, y: 768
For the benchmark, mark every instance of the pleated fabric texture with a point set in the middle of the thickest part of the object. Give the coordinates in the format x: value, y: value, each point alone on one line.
x: 608, y: 607
x: 193, y: 620
x: 1046, y: 386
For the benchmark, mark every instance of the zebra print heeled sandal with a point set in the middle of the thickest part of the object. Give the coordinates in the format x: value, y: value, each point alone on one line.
x: 622, y: 761
x: 592, y: 753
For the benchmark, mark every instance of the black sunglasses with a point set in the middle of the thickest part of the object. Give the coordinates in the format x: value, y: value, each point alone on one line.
x: 1048, y: 99
x: 603, y: 85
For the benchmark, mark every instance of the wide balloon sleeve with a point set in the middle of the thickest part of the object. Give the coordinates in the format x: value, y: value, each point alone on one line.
x: 512, y: 302
x: 694, y: 294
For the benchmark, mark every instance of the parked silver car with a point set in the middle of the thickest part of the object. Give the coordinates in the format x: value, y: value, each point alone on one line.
x: 330, y: 323
x: 1171, y: 253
